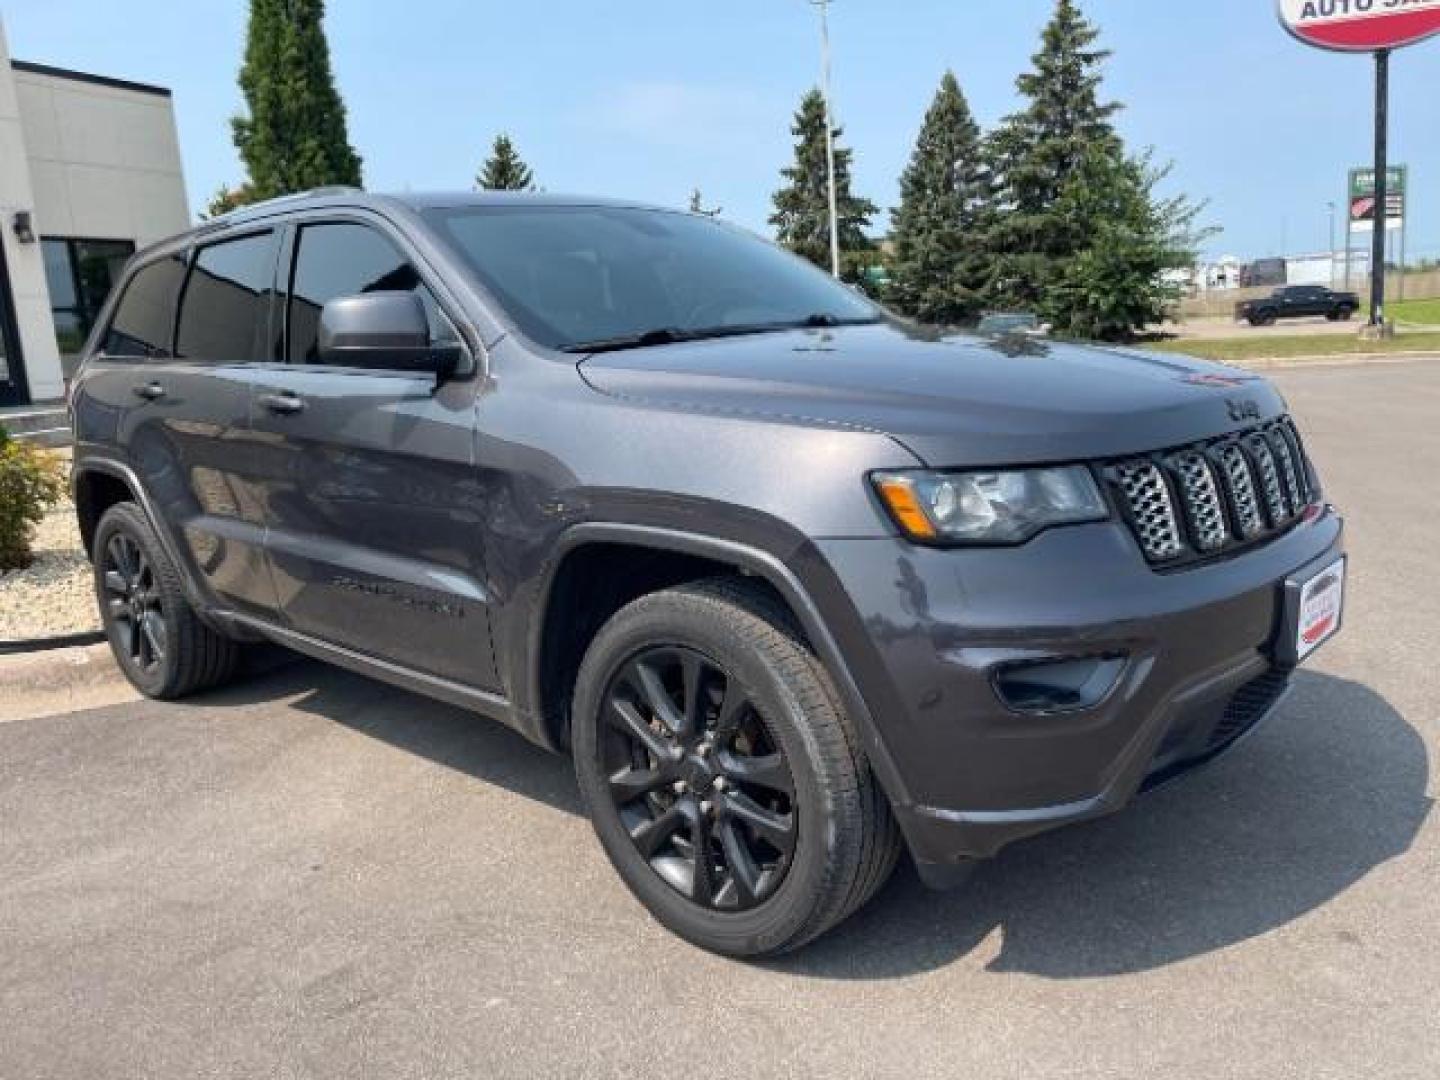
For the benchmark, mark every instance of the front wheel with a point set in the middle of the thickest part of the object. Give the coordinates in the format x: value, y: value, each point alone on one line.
x: 722, y: 777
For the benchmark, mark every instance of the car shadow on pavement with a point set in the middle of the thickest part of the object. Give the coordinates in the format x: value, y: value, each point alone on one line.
x: 460, y: 740
x: 1330, y: 788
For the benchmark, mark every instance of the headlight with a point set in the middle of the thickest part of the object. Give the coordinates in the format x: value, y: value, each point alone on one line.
x: 992, y: 507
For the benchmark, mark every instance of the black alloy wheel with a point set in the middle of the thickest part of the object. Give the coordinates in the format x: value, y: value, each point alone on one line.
x: 160, y: 644
x: 725, y: 783
x: 132, y: 603
x: 700, y: 783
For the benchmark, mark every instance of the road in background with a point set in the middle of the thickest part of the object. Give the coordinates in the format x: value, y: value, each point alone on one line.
x: 1230, y: 328
x: 311, y: 874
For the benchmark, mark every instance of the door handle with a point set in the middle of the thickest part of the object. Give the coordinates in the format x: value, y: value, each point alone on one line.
x: 151, y: 391
x: 283, y: 404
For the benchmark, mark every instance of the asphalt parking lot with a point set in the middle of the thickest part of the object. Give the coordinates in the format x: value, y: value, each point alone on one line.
x: 310, y: 874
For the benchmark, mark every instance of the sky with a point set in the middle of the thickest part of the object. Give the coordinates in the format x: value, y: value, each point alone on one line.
x: 648, y: 99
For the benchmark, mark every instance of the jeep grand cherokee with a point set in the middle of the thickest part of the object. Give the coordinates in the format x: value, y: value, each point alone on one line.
x: 799, y: 585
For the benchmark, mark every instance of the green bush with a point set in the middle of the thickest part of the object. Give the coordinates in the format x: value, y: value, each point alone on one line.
x: 31, y: 481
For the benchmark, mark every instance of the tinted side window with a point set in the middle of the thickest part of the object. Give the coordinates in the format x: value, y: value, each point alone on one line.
x: 144, y: 317
x: 225, y: 308
x: 344, y: 259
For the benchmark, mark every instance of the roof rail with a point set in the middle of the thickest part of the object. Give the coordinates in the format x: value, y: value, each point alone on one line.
x: 294, y: 196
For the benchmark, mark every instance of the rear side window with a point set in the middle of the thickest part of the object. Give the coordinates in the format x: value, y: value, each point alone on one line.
x: 345, y: 258
x: 225, y: 309
x: 144, y: 317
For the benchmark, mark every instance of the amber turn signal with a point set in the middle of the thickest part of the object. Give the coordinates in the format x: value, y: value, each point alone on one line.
x: 900, y: 499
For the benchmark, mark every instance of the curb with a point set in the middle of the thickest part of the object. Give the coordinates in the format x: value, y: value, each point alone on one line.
x: 44, y: 644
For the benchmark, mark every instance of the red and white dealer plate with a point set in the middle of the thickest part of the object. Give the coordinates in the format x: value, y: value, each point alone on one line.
x: 1322, y: 601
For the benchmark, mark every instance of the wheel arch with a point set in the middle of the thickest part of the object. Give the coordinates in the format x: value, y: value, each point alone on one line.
x: 708, y: 556
x: 98, y: 483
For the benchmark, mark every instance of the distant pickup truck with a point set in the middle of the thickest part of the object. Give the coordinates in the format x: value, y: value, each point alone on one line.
x: 1298, y: 302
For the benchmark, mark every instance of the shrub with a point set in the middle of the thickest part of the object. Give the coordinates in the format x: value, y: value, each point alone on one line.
x: 31, y: 481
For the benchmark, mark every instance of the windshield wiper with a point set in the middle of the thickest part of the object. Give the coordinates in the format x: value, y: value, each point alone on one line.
x: 821, y: 319
x: 670, y: 335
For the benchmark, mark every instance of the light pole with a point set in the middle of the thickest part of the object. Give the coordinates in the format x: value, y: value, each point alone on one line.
x: 1331, y: 205
x: 824, y: 6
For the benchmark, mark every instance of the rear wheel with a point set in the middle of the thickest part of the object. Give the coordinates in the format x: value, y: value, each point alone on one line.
x: 723, y: 779
x: 159, y: 642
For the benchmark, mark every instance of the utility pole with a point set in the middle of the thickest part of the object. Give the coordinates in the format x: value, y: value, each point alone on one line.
x: 824, y: 6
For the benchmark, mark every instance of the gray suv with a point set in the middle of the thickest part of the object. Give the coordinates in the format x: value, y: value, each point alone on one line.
x: 799, y: 585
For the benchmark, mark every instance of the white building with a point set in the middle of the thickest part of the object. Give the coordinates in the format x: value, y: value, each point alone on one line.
x: 89, y: 172
x: 1222, y: 274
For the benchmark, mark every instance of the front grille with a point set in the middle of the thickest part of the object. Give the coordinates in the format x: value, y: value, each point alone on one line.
x: 1203, y: 500
x: 1248, y: 705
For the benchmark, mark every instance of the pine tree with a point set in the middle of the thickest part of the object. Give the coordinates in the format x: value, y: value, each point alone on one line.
x: 505, y: 171
x: 802, y: 206
x: 294, y: 135
x: 1118, y: 282
x: 941, y: 264
x: 1038, y: 150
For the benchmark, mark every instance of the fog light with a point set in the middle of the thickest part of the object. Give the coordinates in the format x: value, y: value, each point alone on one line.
x: 1057, y: 686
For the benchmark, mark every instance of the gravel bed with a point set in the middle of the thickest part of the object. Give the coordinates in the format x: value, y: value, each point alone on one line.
x: 53, y: 595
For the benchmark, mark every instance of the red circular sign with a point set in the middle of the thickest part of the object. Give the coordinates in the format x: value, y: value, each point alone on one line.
x: 1361, y: 25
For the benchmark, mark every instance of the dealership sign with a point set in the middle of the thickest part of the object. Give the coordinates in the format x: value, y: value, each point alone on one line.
x: 1361, y: 25
x: 1365, y: 202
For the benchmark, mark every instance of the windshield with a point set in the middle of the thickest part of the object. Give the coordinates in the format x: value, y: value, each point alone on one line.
x: 572, y: 276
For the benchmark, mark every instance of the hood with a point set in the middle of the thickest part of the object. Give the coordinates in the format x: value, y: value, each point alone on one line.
x: 951, y: 400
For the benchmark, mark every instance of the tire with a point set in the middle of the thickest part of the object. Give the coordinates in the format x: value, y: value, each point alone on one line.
x: 1346, y: 314
x: 158, y: 641
x: 730, y: 641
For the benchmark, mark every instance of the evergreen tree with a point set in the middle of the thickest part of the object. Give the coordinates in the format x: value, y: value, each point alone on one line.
x: 1037, y: 151
x: 802, y: 206
x: 1118, y: 282
x: 941, y: 264
x: 294, y: 136
x: 505, y: 171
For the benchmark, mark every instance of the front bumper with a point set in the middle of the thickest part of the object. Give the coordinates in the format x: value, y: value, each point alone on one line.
x: 970, y: 775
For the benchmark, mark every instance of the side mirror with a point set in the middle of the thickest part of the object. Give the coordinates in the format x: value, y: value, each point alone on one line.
x: 386, y: 330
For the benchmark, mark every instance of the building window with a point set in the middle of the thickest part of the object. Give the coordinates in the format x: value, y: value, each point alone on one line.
x: 80, y: 274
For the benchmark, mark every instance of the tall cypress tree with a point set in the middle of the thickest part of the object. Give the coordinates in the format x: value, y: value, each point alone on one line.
x: 941, y: 266
x: 1037, y: 151
x: 802, y: 206
x: 294, y: 136
x: 505, y: 171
